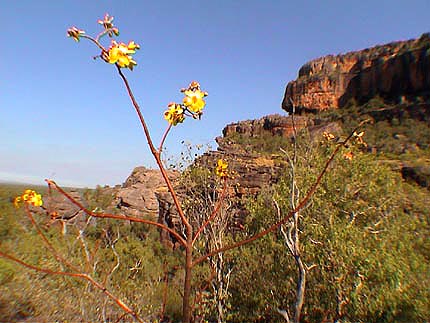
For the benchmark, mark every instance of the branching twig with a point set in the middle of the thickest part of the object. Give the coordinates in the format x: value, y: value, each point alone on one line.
x: 115, y: 216
x: 214, y: 213
x: 118, y: 301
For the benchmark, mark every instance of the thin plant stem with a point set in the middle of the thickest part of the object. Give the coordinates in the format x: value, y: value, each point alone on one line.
x: 214, y: 213
x: 115, y: 216
x: 160, y: 148
x: 154, y: 152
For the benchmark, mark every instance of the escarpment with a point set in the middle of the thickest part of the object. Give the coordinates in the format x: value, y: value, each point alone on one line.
x: 395, y: 72
x: 390, y: 84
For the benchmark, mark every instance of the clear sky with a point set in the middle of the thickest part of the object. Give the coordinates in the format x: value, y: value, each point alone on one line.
x: 67, y: 117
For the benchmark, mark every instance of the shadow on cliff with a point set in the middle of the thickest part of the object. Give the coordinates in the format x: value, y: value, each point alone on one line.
x: 400, y: 77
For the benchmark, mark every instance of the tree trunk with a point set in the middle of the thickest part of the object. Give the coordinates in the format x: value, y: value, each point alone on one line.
x: 301, y: 284
x: 186, y: 306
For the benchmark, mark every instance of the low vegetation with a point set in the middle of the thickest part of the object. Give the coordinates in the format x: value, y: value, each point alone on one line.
x: 363, y: 240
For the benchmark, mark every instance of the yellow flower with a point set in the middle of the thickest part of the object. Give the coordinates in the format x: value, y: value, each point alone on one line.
x: 133, y: 46
x: 221, y: 169
x: 359, y: 138
x: 348, y: 156
x: 175, y: 114
x: 121, y: 54
x: 328, y: 136
x: 17, y: 201
x: 194, y: 100
x: 29, y: 197
x: 75, y: 33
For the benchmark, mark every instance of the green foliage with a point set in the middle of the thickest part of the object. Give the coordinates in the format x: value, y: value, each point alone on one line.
x: 364, y: 239
x: 363, y: 236
x: 128, y: 258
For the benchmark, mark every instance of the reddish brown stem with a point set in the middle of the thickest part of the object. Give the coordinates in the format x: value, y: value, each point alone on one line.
x: 160, y: 148
x: 115, y: 216
x: 186, y: 306
x: 154, y: 152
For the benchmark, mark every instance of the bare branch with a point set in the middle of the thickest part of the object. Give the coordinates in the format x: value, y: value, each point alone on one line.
x: 115, y: 216
x: 118, y: 301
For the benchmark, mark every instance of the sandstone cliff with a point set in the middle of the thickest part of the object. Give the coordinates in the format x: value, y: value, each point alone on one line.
x: 138, y: 194
x: 393, y: 71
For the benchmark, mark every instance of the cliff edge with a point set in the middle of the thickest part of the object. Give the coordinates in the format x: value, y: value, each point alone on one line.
x: 393, y: 71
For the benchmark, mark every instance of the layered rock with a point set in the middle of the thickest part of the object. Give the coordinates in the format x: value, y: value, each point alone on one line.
x: 393, y: 71
x: 253, y: 170
x: 275, y: 125
x: 138, y: 194
x: 59, y: 206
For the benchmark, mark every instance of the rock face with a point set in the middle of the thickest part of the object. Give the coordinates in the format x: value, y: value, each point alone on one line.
x: 256, y: 170
x: 59, y: 205
x: 275, y: 125
x: 253, y: 171
x: 137, y: 196
x: 392, y: 71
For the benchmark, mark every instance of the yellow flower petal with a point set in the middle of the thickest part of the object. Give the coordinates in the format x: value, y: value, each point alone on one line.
x: 175, y: 114
x: 221, y: 169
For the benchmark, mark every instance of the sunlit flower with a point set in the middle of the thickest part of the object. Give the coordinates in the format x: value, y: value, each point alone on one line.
x: 132, y: 46
x: 348, y: 156
x: 359, y: 138
x: 194, y: 101
x: 194, y: 98
x: 175, y: 114
x: 221, y: 169
x: 30, y: 197
x: 17, y: 201
x: 328, y: 136
x: 75, y: 33
x: 121, y: 54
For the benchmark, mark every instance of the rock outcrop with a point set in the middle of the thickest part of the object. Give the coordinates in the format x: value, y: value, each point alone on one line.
x: 253, y: 171
x: 275, y: 125
x: 58, y: 206
x: 393, y: 71
x: 138, y: 194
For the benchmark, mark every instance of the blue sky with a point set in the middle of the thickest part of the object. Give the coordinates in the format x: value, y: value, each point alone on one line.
x: 67, y: 117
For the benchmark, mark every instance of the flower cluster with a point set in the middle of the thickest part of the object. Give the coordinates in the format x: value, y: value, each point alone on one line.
x: 221, y: 169
x: 29, y: 197
x: 194, y: 98
x: 108, y: 25
x: 75, y: 33
x: 117, y: 53
x: 121, y: 54
x: 192, y: 105
x: 175, y: 114
x: 359, y: 139
x: 328, y: 136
